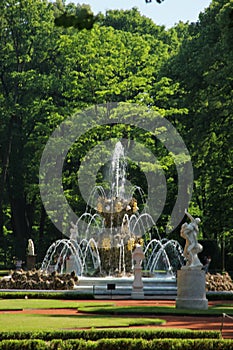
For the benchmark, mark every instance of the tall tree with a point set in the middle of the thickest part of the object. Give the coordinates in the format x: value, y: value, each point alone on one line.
x: 26, y: 60
x: 203, y: 68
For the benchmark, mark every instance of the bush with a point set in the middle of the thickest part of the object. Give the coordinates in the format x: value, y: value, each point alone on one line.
x: 142, y: 344
x: 219, y: 295
x: 72, y: 344
x: 118, y: 344
x: 71, y: 295
x: 95, y: 335
x: 23, y: 345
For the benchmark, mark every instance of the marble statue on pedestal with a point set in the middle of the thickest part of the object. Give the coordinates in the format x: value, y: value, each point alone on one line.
x: 31, y: 249
x: 191, y: 292
x: 137, y: 288
x: 31, y: 256
x: 190, y: 233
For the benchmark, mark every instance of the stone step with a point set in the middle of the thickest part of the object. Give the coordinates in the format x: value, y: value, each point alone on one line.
x: 124, y: 281
x: 125, y: 290
x: 159, y: 287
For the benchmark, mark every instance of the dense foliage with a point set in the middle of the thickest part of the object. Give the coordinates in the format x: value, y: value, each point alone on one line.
x: 96, y: 334
x: 112, y: 339
x: 111, y: 344
x: 56, y: 59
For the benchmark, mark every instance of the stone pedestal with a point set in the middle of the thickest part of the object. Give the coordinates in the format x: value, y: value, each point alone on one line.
x: 31, y: 261
x: 191, y: 290
x: 137, y: 290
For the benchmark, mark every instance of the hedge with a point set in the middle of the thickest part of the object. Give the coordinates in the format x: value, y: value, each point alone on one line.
x: 118, y: 344
x: 34, y: 344
x: 112, y: 334
x: 72, y: 295
x: 219, y: 295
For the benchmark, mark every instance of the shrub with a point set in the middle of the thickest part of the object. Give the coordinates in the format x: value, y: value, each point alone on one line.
x: 35, y: 344
x: 112, y: 334
x: 118, y: 344
x: 69, y: 295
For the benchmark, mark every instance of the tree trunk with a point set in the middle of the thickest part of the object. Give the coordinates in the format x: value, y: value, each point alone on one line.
x: 20, y: 227
x: 41, y: 232
x: 5, y: 164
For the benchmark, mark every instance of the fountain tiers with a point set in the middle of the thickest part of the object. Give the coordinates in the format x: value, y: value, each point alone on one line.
x: 104, y: 246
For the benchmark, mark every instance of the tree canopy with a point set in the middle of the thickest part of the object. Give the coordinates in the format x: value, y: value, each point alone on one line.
x: 57, y: 59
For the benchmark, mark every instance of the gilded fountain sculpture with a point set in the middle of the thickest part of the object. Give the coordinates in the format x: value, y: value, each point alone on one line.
x: 105, y: 247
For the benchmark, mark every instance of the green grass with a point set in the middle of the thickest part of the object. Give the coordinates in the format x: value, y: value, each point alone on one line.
x: 97, y: 314
x: 38, y: 322
x: 154, y: 310
x: 108, y: 308
x: 19, y: 304
x: 23, y: 304
x: 34, y: 322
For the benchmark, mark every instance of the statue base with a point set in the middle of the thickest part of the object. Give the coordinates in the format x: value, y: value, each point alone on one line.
x: 137, y: 294
x: 191, y: 289
x: 31, y: 261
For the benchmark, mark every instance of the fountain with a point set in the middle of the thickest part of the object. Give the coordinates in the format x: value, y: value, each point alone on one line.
x: 102, y: 241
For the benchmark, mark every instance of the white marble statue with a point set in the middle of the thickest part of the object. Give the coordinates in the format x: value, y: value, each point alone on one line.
x: 73, y: 231
x: 137, y: 287
x: 31, y: 249
x: 190, y: 233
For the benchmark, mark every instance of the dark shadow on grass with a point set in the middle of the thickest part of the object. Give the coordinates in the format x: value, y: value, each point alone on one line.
x: 70, y: 316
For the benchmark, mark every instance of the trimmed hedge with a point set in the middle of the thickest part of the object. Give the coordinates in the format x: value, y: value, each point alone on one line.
x: 35, y: 344
x: 95, y: 335
x: 219, y: 295
x: 118, y: 344
x: 72, y: 295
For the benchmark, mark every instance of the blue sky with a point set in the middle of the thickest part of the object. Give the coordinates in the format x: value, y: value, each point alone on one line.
x: 167, y: 13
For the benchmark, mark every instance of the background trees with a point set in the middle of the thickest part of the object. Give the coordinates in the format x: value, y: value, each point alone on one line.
x: 205, y: 57
x: 50, y: 71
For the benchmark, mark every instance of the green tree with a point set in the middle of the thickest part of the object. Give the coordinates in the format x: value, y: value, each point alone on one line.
x: 28, y: 46
x: 105, y: 65
x: 203, y: 69
x: 50, y: 71
x: 46, y: 73
x: 131, y: 21
x: 80, y: 16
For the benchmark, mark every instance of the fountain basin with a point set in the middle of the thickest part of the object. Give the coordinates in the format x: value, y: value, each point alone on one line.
x: 159, y: 287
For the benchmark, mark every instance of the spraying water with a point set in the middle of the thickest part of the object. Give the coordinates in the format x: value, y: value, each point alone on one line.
x: 104, y: 245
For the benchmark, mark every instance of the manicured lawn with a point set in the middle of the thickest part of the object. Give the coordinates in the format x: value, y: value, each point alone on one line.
x: 35, y: 322
x: 19, y: 304
x: 39, y: 322
x: 107, y: 307
x: 153, y: 310
x: 97, y: 314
